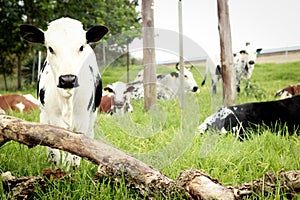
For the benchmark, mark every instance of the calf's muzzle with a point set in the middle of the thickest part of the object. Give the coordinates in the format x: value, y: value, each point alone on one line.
x: 67, y: 81
x: 195, y: 89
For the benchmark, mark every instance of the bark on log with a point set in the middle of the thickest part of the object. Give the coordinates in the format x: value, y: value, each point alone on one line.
x: 289, y: 182
x: 116, y: 164
x: 23, y: 187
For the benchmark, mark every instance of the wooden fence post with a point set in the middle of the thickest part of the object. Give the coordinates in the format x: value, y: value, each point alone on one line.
x: 228, y: 72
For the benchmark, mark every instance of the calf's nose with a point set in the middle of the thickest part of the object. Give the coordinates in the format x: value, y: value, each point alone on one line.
x: 68, y: 81
x: 118, y: 104
x: 195, y: 89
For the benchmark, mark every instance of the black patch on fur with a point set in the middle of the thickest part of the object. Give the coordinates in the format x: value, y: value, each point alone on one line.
x: 218, y: 70
x: 37, y: 87
x: 44, y: 65
x: 42, y: 96
x: 174, y: 74
x: 160, y: 76
x: 39, y: 78
x: 90, y: 102
x: 91, y: 69
x: 98, y: 92
x: 108, y: 89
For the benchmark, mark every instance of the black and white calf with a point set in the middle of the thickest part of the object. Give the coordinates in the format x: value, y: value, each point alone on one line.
x: 239, y: 118
x: 243, y: 63
x: 70, y: 86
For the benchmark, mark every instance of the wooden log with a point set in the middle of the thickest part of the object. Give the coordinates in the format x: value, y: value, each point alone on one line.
x: 148, y: 181
x: 112, y: 162
x: 201, y: 186
x: 289, y: 182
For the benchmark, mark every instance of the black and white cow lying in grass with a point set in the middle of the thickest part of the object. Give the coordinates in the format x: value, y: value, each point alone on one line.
x: 70, y: 86
x: 240, y: 118
x: 167, y: 84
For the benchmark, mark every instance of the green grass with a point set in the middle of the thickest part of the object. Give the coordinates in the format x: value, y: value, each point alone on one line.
x: 165, y: 139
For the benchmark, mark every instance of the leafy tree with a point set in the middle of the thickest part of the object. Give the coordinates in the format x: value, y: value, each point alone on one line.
x: 119, y: 16
x: 12, y: 15
x: 8, y: 40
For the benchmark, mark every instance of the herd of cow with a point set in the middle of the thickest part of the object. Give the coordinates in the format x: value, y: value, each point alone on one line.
x: 70, y: 88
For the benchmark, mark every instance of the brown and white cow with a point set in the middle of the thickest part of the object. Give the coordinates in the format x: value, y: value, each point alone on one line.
x: 288, y: 91
x: 18, y: 102
x: 116, y: 98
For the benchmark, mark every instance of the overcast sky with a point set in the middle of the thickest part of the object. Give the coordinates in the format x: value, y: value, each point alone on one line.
x: 265, y: 24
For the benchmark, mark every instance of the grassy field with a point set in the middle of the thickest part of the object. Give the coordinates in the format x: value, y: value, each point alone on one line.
x: 166, y: 140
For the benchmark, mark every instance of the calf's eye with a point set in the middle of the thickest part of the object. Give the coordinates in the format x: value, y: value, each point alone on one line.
x: 81, y: 48
x: 51, y: 50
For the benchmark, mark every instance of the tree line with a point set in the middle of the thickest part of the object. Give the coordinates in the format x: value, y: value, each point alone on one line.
x: 120, y: 16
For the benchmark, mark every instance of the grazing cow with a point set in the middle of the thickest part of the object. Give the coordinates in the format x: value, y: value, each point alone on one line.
x: 70, y: 85
x: 243, y: 63
x: 239, y: 118
x: 17, y: 102
x: 167, y: 85
x: 288, y: 91
x: 116, y: 98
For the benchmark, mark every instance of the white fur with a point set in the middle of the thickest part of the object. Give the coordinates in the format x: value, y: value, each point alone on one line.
x: 167, y: 85
x: 31, y: 98
x: 68, y: 108
x: 20, y: 106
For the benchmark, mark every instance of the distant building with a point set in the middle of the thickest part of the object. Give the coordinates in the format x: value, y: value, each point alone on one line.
x: 278, y: 55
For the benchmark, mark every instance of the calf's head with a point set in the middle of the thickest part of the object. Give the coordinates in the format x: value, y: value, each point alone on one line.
x: 189, y: 81
x: 248, y: 59
x: 122, y: 94
x: 67, y: 47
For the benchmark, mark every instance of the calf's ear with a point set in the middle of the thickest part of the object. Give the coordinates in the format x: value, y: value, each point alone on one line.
x: 258, y: 50
x: 242, y: 52
x: 32, y: 34
x: 95, y: 33
x: 129, y: 89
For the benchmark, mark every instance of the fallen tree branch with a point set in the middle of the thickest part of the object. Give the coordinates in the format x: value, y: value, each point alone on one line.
x: 117, y: 164
x: 112, y: 162
x: 289, y: 182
